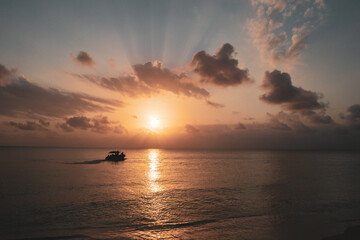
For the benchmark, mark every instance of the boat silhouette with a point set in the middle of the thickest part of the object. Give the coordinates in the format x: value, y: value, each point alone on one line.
x: 114, y: 156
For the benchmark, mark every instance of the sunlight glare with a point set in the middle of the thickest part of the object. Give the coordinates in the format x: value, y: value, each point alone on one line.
x: 153, y: 173
x: 154, y: 122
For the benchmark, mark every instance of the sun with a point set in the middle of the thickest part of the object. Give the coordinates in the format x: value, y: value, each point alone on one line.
x: 154, y: 122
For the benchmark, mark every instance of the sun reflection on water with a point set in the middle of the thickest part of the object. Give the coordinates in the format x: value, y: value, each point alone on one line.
x: 153, y: 173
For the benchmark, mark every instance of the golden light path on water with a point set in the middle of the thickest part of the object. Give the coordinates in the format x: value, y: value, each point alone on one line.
x: 153, y: 173
x: 156, y: 210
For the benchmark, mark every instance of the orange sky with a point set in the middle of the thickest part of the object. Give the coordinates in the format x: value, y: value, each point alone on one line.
x: 256, y: 77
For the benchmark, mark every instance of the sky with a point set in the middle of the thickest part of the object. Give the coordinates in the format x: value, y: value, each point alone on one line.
x: 251, y: 74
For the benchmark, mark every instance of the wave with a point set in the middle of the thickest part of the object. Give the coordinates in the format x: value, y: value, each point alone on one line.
x: 142, y: 227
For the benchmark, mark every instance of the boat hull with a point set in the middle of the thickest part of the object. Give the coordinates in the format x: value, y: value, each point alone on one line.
x: 115, y: 158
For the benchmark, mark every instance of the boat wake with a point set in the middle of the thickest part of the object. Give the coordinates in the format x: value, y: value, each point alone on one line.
x: 87, y: 162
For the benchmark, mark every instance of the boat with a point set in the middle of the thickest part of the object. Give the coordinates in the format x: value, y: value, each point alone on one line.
x: 114, y: 156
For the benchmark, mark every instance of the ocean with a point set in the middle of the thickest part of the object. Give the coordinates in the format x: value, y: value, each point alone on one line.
x: 65, y: 193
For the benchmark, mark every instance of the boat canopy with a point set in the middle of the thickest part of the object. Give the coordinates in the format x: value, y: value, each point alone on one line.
x: 114, y: 152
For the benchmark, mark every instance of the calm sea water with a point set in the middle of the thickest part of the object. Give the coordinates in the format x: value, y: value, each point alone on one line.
x: 177, y: 194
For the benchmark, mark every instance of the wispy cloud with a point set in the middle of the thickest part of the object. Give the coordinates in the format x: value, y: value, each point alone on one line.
x: 281, y: 28
x: 126, y: 85
x: 21, y: 97
x: 149, y: 79
x: 214, y: 104
x: 157, y: 77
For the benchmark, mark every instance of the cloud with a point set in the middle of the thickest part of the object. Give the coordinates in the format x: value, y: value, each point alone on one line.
x: 281, y: 28
x: 134, y: 116
x: 44, y: 123
x: 220, y: 69
x: 101, y: 124
x: 84, y: 59
x: 65, y: 127
x: 279, y: 90
x: 79, y: 122
x: 21, y: 97
x: 120, y: 129
x: 148, y: 80
x: 157, y: 77
x: 30, y: 125
x: 352, y: 115
x: 318, y: 117
x: 285, y: 121
x: 214, y: 104
x: 98, y: 124
x: 275, y: 123
x: 191, y: 129
x: 341, y: 115
x: 354, y: 112
x: 125, y: 85
x: 4, y: 72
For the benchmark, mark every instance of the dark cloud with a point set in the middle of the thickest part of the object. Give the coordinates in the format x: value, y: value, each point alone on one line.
x: 279, y: 90
x: 84, y: 59
x: 289, y: 121
x: 191, y: 129
x: 220, y: 69
x: 354, y: 112
x: 99, y: 124
x: 21, y: 97
x: 318, y: 117
x: 214, y: 104
x: 4, y: 72
x: 353, y: 115
x: 157, y: 77
x: 79, y: 122
x: 240, y: 126
x: 65, y: 127
x: 275, y: 123
x: 30, y: 125
x: 44, y: 123
x: 126, y: 85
